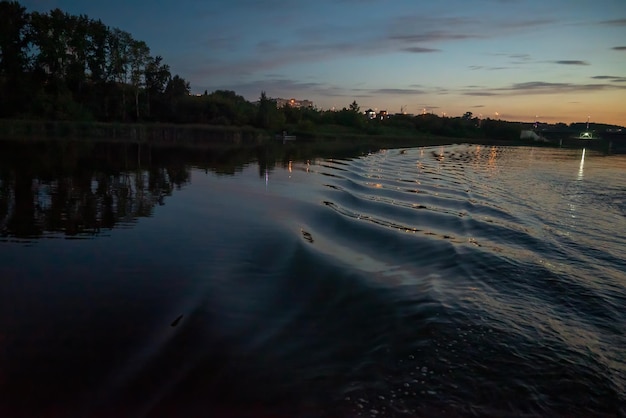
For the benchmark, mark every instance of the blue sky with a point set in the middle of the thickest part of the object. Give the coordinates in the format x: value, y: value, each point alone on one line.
x: 558, y: 60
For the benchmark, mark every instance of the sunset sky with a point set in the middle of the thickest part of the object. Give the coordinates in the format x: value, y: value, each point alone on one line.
x: 558, y: 60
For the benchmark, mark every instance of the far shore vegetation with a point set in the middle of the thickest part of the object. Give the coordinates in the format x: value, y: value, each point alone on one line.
x: 63, y: 75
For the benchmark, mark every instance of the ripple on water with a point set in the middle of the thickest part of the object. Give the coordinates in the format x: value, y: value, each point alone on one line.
x: 514, y: 331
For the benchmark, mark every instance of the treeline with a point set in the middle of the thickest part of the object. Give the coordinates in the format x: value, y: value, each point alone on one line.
x: 58, y: 66
x: 466, y: 126
x: 64, y: 67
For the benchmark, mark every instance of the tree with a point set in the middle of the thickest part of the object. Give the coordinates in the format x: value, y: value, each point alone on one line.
x: 13, y: 56
x: 139, y: 53
x: 156, y: 78
x: 176, y: 90
x: 13, y: 40
x: 49, y: 38
x: 97, y: 51
x: 354, y: 107
x: 225, y: 107
x: 268, y: 116
x: 77, y: 28
x: 118, y: 44
x: 263, y: 114
x: 177, y: 87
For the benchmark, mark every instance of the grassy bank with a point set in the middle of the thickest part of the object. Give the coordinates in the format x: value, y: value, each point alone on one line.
x: 166, y: 134
x: 203, y: 135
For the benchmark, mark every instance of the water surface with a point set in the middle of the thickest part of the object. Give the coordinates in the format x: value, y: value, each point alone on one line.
x: 438, y: 281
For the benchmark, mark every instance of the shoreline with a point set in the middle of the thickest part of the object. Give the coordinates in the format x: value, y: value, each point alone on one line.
x: 190, y: 134
x: 207, y: 136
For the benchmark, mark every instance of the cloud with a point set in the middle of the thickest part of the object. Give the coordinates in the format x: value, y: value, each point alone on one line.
x: 314, y: 44
x: 278, y: 86
x: 397, y: 91
x: 571, y: 62
x: 614, y: 79
x: 614, y: 22
x: 419, y: 50
x: 545, y: 87
x: 432, y: 36
x: 217, y: 43
x: 526, y: 24
x: 540, y: 87
x: 481, y: 93
x: 481, y: 67
x: 619, y: 48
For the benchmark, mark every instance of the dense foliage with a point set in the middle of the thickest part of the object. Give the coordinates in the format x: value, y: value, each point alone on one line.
x: 57, y: 66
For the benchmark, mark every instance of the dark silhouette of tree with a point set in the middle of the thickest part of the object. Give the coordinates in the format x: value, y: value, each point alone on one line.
x: 225, y: 107
x: 268, y: 115
x: 176, y: 91
x: 177, y: 87
x: 118, y: 43
x: 156, y: 78
x: 139, y: 59
x: 13, y: 56
x: 263, y: 114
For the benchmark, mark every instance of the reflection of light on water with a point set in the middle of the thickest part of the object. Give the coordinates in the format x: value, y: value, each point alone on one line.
x: 493, y: 155
x: 579, y: 177
x: 581, y: 167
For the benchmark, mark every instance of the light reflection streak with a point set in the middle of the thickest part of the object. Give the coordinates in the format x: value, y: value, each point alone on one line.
x: 581, y: 167
x: 491, y: 163
x: 579, y: 177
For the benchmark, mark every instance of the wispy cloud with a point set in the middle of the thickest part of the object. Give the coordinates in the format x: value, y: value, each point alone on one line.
x: 619, y: 48
x: 481, y: 93
x: 486, y: 68
x: 397, y: 91
x: 420, y: 50
x: 615, y: 79
x: 303, y: 42
x: 614, y: 22
x: 520, y: 57
x: 571, y: 62
x: 277, y: 86
x: 219, y: 43
x: 540, y: 87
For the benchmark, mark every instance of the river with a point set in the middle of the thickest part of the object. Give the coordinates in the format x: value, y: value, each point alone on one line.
x: 459, y: 280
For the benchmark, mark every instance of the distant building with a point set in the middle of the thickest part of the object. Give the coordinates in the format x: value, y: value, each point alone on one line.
x: 293, y: 103
x: 372, y: 114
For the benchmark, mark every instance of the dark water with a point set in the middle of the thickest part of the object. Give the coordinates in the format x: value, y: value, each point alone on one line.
x: 438, y: 281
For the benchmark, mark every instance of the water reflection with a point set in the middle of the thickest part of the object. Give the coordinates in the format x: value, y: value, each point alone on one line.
x: 339, y: 291
x: 581, y: 167
x: 80, y: 189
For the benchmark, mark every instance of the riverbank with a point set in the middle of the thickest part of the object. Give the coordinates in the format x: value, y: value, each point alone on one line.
x: 154, y: 133
x: 195, y: 135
